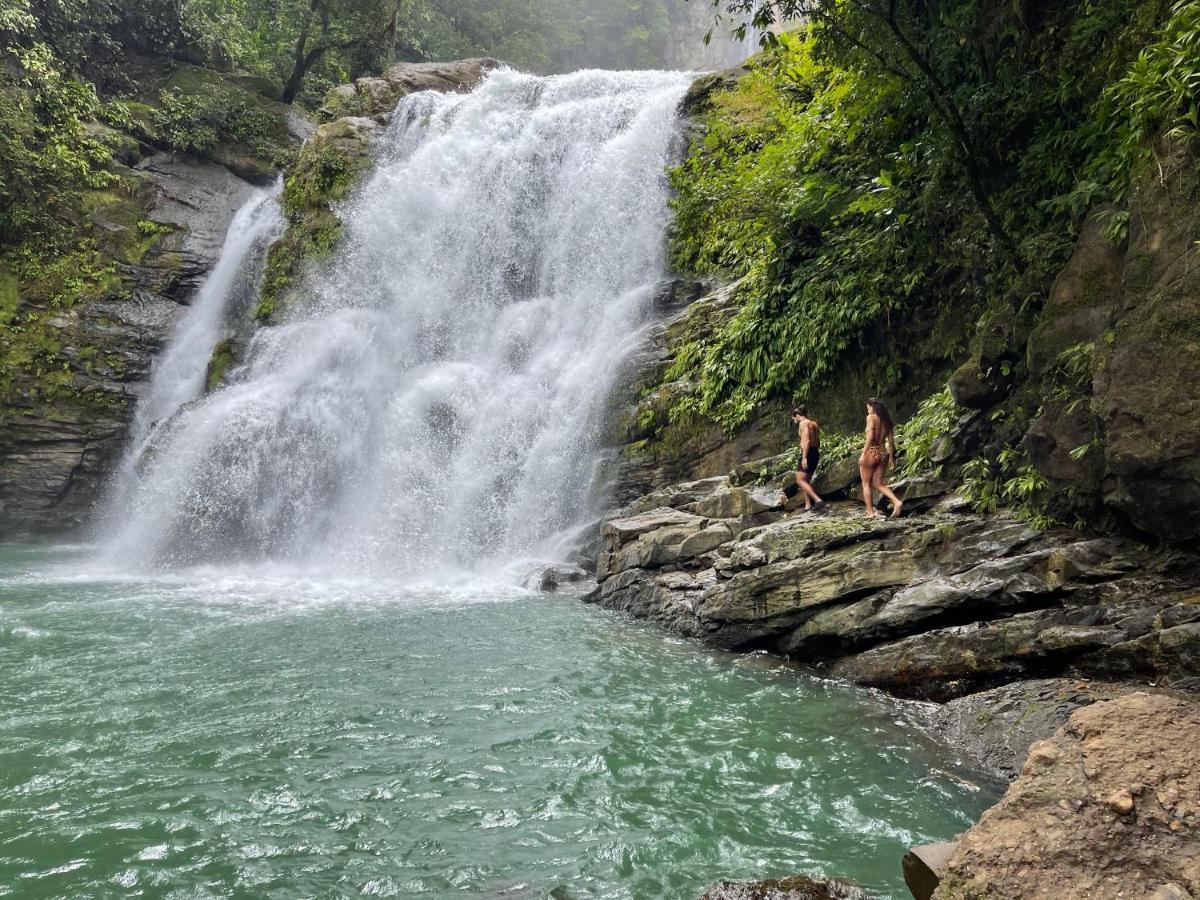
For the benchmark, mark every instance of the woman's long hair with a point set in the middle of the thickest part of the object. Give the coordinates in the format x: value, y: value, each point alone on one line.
x: 885, y: 416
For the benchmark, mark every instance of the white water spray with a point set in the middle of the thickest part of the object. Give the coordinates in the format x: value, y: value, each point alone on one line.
x: 179, y: 371
x: 438, y: 403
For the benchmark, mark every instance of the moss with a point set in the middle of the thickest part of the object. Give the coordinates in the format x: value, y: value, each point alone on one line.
x: 225, y: 355
x: 328, y: 167
x: 9, y: 297
x: 232, y: 119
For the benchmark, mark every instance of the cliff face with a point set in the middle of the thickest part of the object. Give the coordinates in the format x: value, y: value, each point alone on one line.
x: 1133, y: 311
x: 81, y: 328
x: 56, y: 450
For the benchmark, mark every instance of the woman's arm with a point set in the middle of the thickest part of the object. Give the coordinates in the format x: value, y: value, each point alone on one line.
x: 891, y: 440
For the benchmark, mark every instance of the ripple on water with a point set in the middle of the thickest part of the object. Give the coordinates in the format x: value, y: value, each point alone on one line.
x: 223, y: 736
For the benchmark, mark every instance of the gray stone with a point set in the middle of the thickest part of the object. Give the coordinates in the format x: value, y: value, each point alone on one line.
x: 923, y: 867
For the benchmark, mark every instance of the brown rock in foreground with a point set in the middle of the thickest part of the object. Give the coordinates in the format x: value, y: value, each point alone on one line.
x: 1107, y: 808
x: 797, y: 887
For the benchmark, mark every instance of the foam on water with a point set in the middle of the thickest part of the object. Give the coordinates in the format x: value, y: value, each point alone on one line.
x: 438, y: 402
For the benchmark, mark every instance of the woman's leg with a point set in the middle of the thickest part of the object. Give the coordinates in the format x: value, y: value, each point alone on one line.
x: 866, y: 472
x: 881, y: 486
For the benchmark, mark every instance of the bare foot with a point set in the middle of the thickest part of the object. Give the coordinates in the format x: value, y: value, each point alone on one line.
x: 896, y: 507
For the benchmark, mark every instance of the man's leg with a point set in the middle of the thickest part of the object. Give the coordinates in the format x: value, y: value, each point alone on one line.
x: 810, y: 494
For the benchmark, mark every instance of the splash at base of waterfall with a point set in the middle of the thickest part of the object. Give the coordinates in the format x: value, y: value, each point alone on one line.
x: 439, y: 401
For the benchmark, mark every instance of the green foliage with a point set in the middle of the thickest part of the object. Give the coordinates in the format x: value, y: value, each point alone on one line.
x: 1009, y: 480
x: 1158, y: 95
x: 46, y: 150
x: 199, y: 122
x: 225, y: 355
x: 850, y: 189
x: 917, y: 437
x: 785, y: 193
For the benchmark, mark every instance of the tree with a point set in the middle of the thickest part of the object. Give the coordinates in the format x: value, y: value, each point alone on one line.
x: 900, y: 38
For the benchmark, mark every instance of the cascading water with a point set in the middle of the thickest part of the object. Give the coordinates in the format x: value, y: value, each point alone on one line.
x: 438, y: 402
x: 180, y: 369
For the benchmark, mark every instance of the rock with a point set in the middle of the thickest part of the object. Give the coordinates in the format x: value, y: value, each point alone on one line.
x: 561, y: 578
x: 974, y: 389
x: 735, y: 503
x: 923, y: 867
x: 1084, y: 298
x: 835, y: 479
x: 699, y: 96
x: 1042, y: 755
x: 1075, y: 830
x: 375, y: 96
x: 797, y: 887
x: 1131, y: 312
x: 1120, y: 802
x: 1006, y: 726
x: 618, y: 532
x: 54, y: 459
x: 1170, y: 891
x: 933, y: 605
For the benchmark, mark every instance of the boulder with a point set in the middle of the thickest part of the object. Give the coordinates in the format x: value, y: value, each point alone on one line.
x: 923, y: 868
x: 836, y: 479
x: 619, y: 532
x: 561, y: 578
x: 997, y: 727
x: 735, y: 503
x: 378, y: 95
x: 1108, y: 807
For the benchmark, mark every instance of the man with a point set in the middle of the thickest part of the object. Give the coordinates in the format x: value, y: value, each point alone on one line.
x: 810, y: 455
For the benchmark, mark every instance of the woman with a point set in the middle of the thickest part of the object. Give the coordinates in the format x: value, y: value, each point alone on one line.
x: 878, y: 456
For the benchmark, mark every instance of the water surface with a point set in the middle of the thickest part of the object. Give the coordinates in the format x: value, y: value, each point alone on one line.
x: 262, y: 735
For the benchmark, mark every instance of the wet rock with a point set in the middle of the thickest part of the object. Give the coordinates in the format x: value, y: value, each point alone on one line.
x: 1005, y: 727
x: 797, y: 887
x: 1114, y: 816
x: 561, y: 578
x: 375, y: 96
x: 933, y: 605
x: 923, y: 867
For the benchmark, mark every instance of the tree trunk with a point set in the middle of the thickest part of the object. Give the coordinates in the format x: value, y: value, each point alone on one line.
x: 944, y: 102
x: 304, y: 62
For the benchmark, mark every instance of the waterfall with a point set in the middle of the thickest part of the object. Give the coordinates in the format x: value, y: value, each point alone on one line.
x: 437, y: 402
x: 179, y: 371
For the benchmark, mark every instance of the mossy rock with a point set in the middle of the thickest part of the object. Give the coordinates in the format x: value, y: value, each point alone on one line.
x: 9, y: 295
x: 225, y: 355
x: 329, y: 165
x: 255, y: 158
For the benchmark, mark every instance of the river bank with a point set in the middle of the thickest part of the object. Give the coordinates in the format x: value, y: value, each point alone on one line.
x: 1015, y: 630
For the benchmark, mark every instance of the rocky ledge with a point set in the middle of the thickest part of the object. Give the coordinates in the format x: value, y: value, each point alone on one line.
x: 934, y: 605
x: 1107, y: 807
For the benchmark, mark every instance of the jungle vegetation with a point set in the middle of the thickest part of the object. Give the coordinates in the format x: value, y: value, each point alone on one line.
x: 899, y: 171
